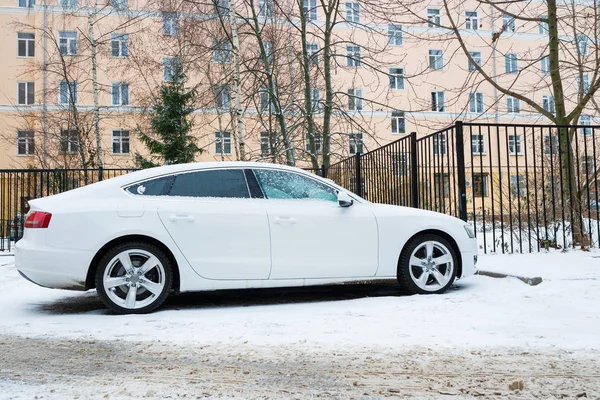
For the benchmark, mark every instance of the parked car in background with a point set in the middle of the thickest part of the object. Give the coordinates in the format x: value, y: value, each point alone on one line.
x: 16, y: 227
x: 229, y: 225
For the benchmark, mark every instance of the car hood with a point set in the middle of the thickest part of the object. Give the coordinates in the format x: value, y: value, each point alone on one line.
x: 390, y: 210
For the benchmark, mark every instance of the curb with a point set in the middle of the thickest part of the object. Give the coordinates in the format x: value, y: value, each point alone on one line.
x: 534, y: 281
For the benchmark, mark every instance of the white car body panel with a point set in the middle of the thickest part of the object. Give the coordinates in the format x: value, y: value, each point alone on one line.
x: 319, y: 239
x: 220, y: 238
x: 230, y: 243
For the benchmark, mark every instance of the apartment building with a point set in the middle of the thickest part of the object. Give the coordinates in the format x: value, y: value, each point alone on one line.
x: 391, y: 74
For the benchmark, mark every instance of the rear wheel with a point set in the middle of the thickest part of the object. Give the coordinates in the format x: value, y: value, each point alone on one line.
x: 427, y: 265
x: 134, y: 278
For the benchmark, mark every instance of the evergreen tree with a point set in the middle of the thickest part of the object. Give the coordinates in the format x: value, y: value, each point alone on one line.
x: 170, y: 139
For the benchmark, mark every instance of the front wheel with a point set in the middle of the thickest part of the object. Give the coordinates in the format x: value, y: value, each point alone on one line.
x: 427, y: 265
x: 134, y: 278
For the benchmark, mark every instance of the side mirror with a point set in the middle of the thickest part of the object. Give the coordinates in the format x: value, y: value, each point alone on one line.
x: 344, y: 200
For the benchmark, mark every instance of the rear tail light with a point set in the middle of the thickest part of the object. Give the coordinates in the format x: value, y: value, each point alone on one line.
x: 38, y: 219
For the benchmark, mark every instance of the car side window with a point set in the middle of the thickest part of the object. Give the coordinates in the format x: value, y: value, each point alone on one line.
x: 154, y: 187
x: 278, y: 184
x: 213, y: 183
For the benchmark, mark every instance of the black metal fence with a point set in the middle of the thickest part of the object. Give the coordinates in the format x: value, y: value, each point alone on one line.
x: 523, y: 187
x: 17, y: 187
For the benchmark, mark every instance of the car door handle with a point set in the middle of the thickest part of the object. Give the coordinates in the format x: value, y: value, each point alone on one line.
x: 285, y: 220
x: 181, y: 218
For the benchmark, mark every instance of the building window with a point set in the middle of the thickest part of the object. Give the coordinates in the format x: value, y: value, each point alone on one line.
x: 67, y: 43
x: 548, y: 103
x: 318, y: 141
x: 513, y: 105
x: 585, y: 120
x: 478, y: 144
x: 265, y: 144
x: 508, y: 23
x: 25, y: 143
x: 315, y: 99
x: 310, y: 9
x: 222, y: 52
x: 440, y: 144
x: 170, y: 23
x: 171, y: 68
x: 221, y: 7
x: 517, y: 185
x: 356, y: 143
x: 353, y: 12
x: 551, y: 145
x: 543, y: 25
x: 582, y: 45
x: 119, y: 45
x: 400, y: 164
x: 436, y: 59
x: 68, y: 141
x: 119, y: 4
x: 353, y: 56
x: 67, y: 92
x: 588, y: 166
x: 476, y: 56
x: 480, y: 185
x: 68, y: 3
x: 27, y: 3
x: 312, y: 51
x: 395, y: 35
x: 222, y: 142
x: 398, y: 122
x: 586, y: 83
x: 437, y: 101
x: 476, y: 102
x: 120, y: 142
x: 355, y: 101
x: 396, y: 78
x: 120, y: 94
x: 433, y: 17
x: 269, y: 54
x: 472, y: 20
x: 515, y: 144
x: 263, y: 97
x: 222, y: 96
x: 25, y: 93
x: 545, y: 65
x: 510, y: 61
x: 441, y: 184
x: 25, y: 44
x: 266, y: 8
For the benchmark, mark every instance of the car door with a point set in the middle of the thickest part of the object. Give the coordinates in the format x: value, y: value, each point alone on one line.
x: 221, y: 231
x: 311, y: 235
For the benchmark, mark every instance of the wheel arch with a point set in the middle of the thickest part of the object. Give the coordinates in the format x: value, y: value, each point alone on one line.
x: 90, y: 281
x: 443, y: 234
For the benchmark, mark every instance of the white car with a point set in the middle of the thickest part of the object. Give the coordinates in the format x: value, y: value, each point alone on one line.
x: 230, y: 225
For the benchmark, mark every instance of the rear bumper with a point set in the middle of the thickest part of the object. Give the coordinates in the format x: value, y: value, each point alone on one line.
x: 52, y: 267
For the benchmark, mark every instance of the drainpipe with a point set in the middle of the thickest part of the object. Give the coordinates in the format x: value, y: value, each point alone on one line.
x: 45, y: 89
x: 495, y: 66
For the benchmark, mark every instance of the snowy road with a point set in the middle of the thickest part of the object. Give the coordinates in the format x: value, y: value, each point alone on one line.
x: 334, y: 342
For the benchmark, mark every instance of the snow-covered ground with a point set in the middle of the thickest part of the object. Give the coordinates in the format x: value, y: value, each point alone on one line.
x: 486, y: 337
x: 478, y: 312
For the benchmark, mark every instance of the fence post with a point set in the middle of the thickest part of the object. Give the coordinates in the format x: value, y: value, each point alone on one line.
x: 460, y: 165
x: 358, y: 179
x: 323, y: 171
x: 414, y: 173
x: 100, y: 173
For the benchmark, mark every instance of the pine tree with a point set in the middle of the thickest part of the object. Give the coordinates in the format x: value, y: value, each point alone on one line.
x: 170, y: 140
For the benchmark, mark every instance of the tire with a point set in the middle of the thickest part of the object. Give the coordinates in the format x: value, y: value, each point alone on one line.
x: 427, y: 265
x: 129, y: 289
